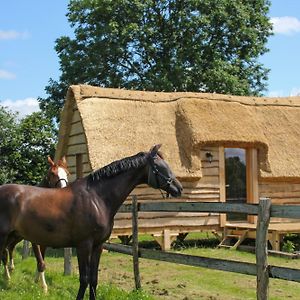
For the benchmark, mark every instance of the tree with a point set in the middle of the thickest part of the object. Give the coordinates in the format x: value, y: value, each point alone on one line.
x: 25, y: 145
x: 9, y: 137
x: 170, y: 45
x: 37, y: 141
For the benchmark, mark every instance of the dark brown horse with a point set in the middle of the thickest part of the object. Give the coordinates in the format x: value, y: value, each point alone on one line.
x: 81, y: 215
x: 57, y: 176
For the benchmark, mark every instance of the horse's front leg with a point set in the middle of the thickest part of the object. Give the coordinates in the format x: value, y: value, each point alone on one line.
x: 39, y: 253
x: 84, y: 251
x: 95, y: 258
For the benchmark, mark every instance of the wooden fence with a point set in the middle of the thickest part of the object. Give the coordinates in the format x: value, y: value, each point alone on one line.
x: 262, y: 270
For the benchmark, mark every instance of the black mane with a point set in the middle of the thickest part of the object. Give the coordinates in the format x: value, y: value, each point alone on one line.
x: 119, y: 166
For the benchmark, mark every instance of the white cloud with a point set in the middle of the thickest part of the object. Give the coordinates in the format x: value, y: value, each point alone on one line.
x: 13, y: 35
x: 7, y: 75
x: 274, y: 94
x: 295, y: 92
x: 23, y: 107
x: 285, y: 25
x: 281, y: 93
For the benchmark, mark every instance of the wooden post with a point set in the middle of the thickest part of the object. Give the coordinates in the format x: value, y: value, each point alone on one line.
x: 252, y: 180
x: 26, y: 250
x: 222, y: 183
x: 135, y: 243
x: 67, y: 261
x: 262, y: 279
x: 68, y: 251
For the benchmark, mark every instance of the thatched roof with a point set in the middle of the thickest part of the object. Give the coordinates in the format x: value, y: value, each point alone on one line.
x: 120, y: 123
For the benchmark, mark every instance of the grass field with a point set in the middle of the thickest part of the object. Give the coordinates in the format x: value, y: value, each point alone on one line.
x: 160, y: 280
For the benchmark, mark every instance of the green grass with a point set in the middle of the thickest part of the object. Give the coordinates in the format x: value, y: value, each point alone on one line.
x: 160, y: 280
x: 22, y: 285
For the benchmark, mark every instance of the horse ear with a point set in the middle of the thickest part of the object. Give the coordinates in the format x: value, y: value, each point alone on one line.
x: 50, y: 161
x: 63, y: 161
x: 154, y: 150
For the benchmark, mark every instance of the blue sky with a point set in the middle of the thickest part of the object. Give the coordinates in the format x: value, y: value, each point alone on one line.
x: 28, y: 30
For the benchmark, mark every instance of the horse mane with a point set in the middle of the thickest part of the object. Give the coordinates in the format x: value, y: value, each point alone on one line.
x: 119, y: 166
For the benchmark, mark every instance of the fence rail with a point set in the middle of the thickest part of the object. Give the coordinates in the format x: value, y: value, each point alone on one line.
x: 206, y: 262
x: 278, y: 211
x: 262, y: 270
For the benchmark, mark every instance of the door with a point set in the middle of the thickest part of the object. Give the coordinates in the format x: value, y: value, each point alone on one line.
x: 236, y: 180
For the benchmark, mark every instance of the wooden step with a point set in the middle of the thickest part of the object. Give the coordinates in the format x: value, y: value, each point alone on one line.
x: 228, y: 239
x: 225, y: 246
x: 234, y: 236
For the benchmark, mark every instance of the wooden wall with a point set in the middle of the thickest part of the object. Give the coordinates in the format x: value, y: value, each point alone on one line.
x: 77, y: 148
x: 281, y: 193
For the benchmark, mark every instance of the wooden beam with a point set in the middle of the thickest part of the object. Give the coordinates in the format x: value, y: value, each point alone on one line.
x: 79, y: 168
x: 252, y: 179
x: 222, y: 183
x: 261, y: 246
x: 285, y: 211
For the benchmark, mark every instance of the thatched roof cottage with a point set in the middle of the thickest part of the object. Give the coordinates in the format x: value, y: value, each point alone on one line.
x: 100, y: 125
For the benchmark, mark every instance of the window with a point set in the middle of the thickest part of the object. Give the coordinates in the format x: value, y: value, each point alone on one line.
x: 236, y: 180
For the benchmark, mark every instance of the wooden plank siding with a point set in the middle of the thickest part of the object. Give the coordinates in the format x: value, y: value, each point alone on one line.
x: 77, y: 145
x: 281, y: 193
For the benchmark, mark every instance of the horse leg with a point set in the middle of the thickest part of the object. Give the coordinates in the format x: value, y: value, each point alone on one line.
x: 13, y: 241
x: 96, y: 254
x: 4, y: 255
x: 39, y: 253
x: 84, y: 251
x: 11, y: 249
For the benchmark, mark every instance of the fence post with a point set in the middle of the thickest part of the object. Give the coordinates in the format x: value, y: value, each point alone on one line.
x: 67, y: 261
x: 135, y: 243
x: 261, y: 245
x: 26, y: 250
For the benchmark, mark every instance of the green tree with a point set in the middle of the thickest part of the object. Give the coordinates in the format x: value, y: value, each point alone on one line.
x: 9, y: 142
x: 170, y: 45
x: 37, y: 141
x: 25, y: 145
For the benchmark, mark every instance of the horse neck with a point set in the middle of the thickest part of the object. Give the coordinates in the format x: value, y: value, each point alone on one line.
x: 44, y: 183
x: 115, y: 190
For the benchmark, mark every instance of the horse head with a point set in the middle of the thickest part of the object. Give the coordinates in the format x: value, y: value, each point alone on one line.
x: 58, y: 173
x: 160, y: 176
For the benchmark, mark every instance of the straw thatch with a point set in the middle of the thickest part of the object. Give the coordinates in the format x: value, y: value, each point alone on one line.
x: 119, y: 123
